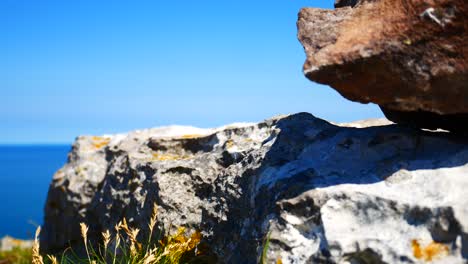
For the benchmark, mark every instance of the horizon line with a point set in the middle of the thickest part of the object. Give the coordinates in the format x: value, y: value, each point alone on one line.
x: 33, y: 144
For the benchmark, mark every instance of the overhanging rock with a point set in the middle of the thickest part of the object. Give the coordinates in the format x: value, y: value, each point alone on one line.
x: 404, y: 55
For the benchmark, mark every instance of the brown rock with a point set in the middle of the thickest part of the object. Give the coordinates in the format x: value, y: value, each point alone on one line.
x: 404, y: 55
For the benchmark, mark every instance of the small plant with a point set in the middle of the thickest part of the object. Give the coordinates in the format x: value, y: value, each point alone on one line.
x: 266, y: 245
x: 127, y: 249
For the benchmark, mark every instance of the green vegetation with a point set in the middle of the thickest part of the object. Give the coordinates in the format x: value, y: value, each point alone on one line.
x: 266, y: 245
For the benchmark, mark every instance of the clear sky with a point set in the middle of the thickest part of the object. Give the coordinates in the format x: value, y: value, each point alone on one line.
x: 94, y: 67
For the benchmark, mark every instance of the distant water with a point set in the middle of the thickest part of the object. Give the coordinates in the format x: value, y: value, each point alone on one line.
x: 25, y: 175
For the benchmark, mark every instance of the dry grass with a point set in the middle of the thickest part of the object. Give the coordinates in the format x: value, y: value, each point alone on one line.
x: 123, y: 247
x: 36, y: 257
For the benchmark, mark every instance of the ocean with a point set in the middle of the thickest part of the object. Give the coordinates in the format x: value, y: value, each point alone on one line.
x: 25, y: 175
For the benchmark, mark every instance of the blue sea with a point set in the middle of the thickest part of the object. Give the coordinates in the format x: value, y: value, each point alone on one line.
x: 25, y: 175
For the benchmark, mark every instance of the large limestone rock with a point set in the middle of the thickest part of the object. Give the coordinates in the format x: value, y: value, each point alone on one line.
x: 408, y: 56
x: 324, y: 193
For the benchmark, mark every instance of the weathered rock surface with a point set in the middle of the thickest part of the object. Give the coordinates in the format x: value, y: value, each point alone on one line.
x: 8, y: 243
x: 404, y: 55
x: 324, y: 193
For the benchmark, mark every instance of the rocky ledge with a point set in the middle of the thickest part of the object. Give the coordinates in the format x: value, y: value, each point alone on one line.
x: 323, y: 193
x: 408, y: 56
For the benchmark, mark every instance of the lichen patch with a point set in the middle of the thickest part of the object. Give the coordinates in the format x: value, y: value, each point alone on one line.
x: 100, y: 142
x: 430, y: 252
x: 169, y: 157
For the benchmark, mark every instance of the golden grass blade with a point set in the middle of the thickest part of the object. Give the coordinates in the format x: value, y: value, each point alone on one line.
x: 117, y: 244
x: 134, y: 245
x: 106, y: 237
x: 53, y: 259
x: 152, y: 223
x: 153, y: 218
x: 36, y: 256
x: 84, y: 231
x: 117, y: 226
x: 149, y: 259
x: 84, y: 234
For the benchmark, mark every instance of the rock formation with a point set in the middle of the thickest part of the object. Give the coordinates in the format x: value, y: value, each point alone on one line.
x: 8, y: 243
x: 324, y: 193
x: 408, y: 56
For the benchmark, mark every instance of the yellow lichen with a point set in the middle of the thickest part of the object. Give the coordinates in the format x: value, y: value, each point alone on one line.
x: 166, y: 157
x: 229, y: 143
x: 430, y: 252
x: 188, y: 136
x: 100, y: 142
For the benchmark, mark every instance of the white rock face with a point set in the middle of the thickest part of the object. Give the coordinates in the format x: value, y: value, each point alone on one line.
x: 8, y: 243
x: 323, y: 193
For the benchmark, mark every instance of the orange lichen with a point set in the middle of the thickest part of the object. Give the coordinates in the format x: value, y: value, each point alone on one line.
x: 429, y: 252
x: 100, y: 142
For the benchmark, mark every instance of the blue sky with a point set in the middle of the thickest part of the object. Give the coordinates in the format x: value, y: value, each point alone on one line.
x: 93, y: 67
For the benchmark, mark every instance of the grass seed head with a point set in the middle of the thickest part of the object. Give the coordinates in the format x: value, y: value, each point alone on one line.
x: 36, y: 256
x: 117, y: 226
x: 84, y: 231
x: 170, y: 249
x: 106, y: 237
x: 153, y: 218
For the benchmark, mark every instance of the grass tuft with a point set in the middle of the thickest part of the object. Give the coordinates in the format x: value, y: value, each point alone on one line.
x: 175, y: 248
